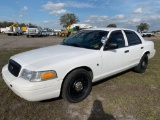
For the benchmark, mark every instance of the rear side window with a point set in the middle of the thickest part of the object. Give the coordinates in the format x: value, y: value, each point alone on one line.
x: 133, y: 38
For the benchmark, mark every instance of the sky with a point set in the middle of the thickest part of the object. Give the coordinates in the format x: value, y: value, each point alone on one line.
x: 99, y: 13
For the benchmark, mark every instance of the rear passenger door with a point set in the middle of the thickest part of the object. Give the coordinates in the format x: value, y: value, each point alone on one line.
x: 135, y: 47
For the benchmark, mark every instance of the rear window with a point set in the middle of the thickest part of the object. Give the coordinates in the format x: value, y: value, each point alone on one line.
x: 133, y: 38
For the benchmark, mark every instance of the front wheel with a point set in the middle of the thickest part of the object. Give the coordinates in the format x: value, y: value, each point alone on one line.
x: 142, y: 66
x: 77, y: 86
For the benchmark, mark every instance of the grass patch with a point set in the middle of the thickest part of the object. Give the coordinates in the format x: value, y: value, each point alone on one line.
x: 126, y: 96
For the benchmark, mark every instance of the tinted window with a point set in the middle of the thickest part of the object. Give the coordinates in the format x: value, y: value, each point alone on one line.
x: 90, y: 39
x: 117, y: 37
x: 132, y: 37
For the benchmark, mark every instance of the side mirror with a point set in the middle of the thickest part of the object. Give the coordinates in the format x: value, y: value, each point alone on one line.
x: 104, y: 39
x: 110, y: 46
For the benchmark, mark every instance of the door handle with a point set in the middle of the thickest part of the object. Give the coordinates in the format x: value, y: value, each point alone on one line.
x: 126, y: 51
x: 142, y: 47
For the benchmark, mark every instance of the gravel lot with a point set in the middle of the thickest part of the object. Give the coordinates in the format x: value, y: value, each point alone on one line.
x: 11, y: 42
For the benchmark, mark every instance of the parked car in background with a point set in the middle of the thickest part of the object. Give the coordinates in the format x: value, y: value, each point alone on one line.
x: 54, y: 32
x: 69, y: 69
x: 147, y: 34
x: 45, y: 33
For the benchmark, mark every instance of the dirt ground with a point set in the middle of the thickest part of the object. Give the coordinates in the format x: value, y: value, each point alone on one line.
x: 22, y: 41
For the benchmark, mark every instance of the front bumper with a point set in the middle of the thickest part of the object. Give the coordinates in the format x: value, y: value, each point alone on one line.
x: 33, y: 33
x: 32, y: 91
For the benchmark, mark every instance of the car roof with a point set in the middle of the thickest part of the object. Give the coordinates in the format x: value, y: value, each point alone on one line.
x: 108, y: 29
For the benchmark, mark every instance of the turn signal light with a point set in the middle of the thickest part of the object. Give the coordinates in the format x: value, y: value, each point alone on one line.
x: 48, y: 75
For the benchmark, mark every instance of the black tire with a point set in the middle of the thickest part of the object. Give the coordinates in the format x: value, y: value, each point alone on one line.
x: 77, y: 86
x: 27, y: 36
x: 142, y: 66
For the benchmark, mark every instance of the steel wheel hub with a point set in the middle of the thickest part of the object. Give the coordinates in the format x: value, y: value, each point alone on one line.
x: 143, y: 64
x: 79, y: 86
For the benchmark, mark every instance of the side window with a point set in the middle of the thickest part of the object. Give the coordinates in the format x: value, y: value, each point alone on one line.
x: 117, y: 38
x: 133, y: 38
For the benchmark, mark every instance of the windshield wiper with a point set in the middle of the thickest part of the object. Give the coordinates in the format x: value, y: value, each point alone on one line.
x: 71, y: 44
x: 75, y: 45
x: 64, y: 43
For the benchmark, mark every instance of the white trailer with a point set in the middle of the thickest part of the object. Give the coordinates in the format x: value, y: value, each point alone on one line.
x: 12, y: 30
x: 2, y: 30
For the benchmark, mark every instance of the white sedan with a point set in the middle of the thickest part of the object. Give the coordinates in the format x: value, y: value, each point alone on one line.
x: 68, y: 69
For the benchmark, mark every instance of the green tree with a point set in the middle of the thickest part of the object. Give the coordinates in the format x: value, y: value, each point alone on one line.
x: 112, y: 25
x: 142, y: 27
x: 68, y: 19
x: 22, y: 25
x: 5, y: 24
x: 31, y: 25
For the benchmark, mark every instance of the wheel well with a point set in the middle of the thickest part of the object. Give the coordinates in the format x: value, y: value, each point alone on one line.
x: 82, y: 67
x: 147, y: 53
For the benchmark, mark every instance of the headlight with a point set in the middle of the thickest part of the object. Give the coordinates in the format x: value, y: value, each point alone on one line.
x: 38, y: 76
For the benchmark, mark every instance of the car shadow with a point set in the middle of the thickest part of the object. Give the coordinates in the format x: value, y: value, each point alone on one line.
x: 98, y: 113
x: 111, y: 77
x: 51, y: 100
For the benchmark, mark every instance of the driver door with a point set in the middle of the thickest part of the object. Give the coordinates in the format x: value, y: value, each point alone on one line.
x: 115, y: 60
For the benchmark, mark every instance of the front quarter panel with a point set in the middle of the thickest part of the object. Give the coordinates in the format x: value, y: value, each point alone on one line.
x: 92, y: 61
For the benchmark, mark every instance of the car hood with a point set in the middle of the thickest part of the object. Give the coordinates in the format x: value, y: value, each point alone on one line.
x: 50, y: 55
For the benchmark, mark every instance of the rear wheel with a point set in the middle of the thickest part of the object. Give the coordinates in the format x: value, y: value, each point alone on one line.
x: 142, y: 66
x: 77, y: 86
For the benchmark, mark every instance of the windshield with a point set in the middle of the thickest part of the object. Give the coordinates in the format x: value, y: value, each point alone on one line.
x: 90, y: 39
